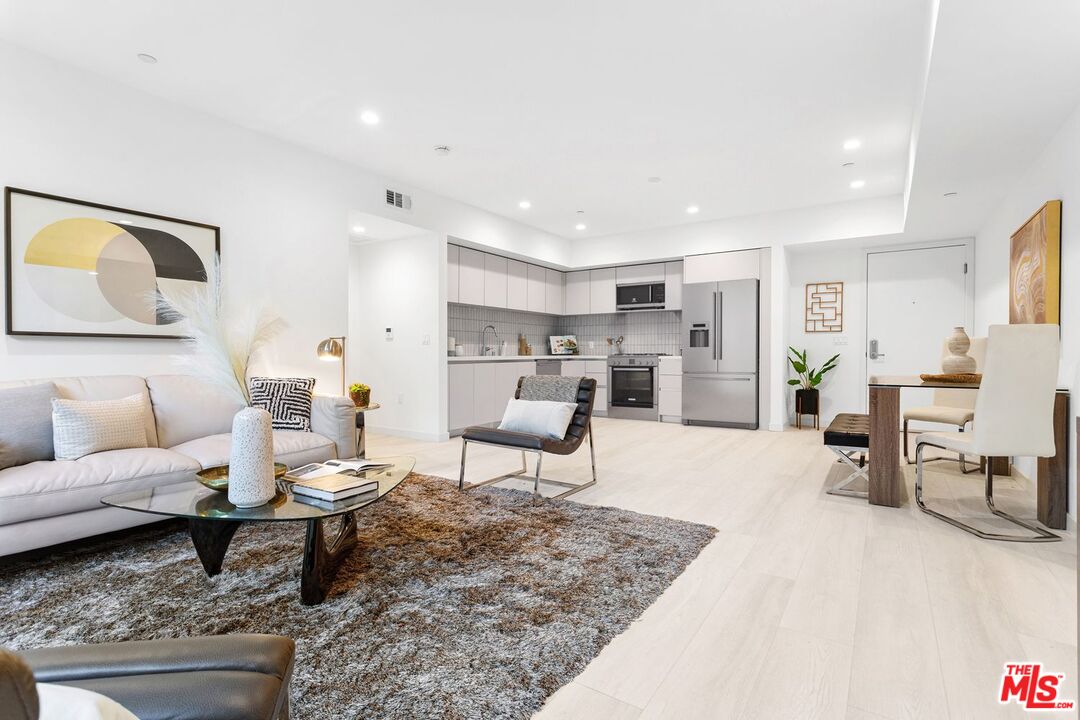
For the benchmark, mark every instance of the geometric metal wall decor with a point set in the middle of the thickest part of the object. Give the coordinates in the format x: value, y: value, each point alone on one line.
x: 825, y: 307
x: 78, y: 268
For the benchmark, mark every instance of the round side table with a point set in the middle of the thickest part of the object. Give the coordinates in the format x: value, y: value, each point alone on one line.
x: 361, y: 435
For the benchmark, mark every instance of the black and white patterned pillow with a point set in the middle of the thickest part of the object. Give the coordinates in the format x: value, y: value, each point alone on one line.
x: 288, y: 400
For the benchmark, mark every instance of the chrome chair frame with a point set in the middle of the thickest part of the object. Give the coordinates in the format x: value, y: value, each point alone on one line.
x: 907, y: 455
x: 575, y: 487
x: 1041, y: 535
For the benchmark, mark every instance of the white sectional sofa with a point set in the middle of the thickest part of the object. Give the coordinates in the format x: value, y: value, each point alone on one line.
x: 187, y: 428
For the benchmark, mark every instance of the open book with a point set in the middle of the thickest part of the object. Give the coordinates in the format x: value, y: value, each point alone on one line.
x: 356, y: 468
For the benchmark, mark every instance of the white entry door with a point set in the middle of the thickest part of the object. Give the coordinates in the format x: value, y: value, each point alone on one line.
x: 914, y: 298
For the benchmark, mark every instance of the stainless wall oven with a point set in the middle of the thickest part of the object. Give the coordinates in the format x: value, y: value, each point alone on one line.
x: 633, y: 386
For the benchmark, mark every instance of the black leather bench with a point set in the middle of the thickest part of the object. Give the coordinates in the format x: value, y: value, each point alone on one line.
x: 849, y: 435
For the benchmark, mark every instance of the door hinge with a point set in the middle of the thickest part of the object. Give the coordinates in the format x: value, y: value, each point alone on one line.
x: 965, y: 268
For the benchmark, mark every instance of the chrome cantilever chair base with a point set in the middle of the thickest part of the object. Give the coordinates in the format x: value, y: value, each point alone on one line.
x: 1041, y: 534
x: 907, y: 455
x: 538, y: 479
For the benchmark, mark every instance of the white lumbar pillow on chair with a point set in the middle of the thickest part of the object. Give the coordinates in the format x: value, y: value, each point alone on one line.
x: 538, y: 417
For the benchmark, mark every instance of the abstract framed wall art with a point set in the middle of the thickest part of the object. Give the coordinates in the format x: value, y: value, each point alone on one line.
x: 1035, y: 268
x: 825, y: 307
x: 77, y: 268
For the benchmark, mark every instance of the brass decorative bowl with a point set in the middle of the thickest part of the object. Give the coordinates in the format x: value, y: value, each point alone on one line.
x: 217, y: 478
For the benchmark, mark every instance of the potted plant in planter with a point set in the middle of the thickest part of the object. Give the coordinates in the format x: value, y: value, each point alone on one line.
x: 360, y: 394
x: 806, y: 397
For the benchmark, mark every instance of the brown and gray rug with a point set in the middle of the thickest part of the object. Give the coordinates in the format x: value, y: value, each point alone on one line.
x: 474, y: 605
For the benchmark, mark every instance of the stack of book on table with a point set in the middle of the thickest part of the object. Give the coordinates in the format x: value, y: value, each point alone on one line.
x: 334, y: 481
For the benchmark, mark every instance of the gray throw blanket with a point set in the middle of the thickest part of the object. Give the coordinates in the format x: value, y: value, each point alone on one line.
x: 555, y: 388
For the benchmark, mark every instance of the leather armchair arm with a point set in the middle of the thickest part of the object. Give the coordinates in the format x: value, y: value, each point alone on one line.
x: 335, y: 417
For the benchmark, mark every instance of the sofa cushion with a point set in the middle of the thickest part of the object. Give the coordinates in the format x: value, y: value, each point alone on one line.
x: 26, y: 431
x: 83, y: 427
x: 100, y: 387
x: 187, y: 408
x: 292, y: 447
x: 56, y: 487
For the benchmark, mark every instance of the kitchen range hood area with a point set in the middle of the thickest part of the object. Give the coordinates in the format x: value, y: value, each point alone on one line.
x: 676, y: 341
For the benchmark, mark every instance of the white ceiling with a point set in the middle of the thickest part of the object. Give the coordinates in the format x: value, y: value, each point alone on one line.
x: 740, y: 107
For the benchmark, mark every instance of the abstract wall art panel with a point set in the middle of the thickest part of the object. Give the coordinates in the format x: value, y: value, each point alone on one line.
x: 1035, y: 268
x: 85, y: 269
x: 825, y: 307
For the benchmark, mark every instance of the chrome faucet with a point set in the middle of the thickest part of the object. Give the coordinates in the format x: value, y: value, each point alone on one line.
x: 485, y: 350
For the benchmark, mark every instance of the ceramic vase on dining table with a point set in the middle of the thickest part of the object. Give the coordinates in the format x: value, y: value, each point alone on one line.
x: 251, y: 459
x: 958, y: 361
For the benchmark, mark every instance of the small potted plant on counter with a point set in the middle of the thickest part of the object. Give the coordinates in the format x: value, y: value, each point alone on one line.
x: 806, y: 397
x: 360, y: 394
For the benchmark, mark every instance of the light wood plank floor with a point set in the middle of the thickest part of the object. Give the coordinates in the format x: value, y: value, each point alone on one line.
x: 805, y: 605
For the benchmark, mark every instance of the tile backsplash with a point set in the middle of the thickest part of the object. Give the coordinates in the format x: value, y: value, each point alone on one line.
x: 642, y: 331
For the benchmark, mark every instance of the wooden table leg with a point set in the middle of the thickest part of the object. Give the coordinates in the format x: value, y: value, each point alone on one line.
x: 321, y: 560
x: 211, y: 539
x: 1053, y: 483
x: 885, y: 477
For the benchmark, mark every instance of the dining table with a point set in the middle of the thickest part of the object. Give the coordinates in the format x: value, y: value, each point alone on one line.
x: 886, y: 474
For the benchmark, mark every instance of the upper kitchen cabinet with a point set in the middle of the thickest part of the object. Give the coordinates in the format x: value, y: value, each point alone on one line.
x: 673, y: 285
x: 602, y: 290
x: 553, y: 297
x: 517, y: 285
x: 495, y: 282
x: 577, y: 293
x: 452, y: 267
x: 537, y: 289
x: 718, y: 267
x: 632, y: 274
x: 471, y: 277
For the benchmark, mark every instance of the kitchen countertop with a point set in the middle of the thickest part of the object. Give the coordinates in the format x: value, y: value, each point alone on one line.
x: 520, y: 358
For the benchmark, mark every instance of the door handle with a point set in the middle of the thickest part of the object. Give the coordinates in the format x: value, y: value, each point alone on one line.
x: 873, y: 353
x: 720, y: 324
x: 716, y: 333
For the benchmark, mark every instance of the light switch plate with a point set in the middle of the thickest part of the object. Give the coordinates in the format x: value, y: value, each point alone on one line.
x: 840, y: 340
x: 389, y: 334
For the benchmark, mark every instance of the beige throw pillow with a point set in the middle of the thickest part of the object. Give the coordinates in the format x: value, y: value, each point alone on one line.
x: 82, y: 427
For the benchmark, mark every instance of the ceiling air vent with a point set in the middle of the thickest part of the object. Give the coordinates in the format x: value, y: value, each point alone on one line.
x: 398, y: 200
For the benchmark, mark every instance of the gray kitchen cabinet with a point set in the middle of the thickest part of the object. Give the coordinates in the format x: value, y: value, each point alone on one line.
x: 602, y: 291
x: 495, y: 282
x: 517, y: 285
x: 577, y: 293
x: 471, y: 277
x: 537, y: 289
x: 452, y: 267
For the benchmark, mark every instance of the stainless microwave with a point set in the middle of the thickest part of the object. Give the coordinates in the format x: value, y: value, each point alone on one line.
x: 640, y: 296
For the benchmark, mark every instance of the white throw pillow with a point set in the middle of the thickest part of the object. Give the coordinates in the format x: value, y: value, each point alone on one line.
x: 82, y: 427
x: 538, y: 417
x: 60, y: 702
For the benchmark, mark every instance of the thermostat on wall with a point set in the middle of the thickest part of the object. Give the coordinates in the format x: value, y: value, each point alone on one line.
x: 389, y: 334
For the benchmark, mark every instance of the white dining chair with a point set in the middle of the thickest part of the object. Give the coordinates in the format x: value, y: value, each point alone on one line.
x: 1014, y: 413
x: 949, y: 406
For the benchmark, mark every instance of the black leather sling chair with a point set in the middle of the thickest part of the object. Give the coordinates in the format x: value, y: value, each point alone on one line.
x: 580, y: 426
x: 228, y: 677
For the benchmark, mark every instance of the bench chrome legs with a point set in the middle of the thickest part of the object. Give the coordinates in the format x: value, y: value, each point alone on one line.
x: 857, y: 471
x: 1041, y: 535
x: 574, y: 487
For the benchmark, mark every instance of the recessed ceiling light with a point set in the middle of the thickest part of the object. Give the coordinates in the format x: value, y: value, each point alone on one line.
x: 439, y: 149
x: 654, y: 179
x: 856, y: 184
x: 852, y: 144
x: 147, y: 58
x: 524, y: 204
x: 579, y: 226
x: 369, y: 118
x: 951, y: 194
x: 692, y: 209
x: 358, y: 229
x: 848, y: 164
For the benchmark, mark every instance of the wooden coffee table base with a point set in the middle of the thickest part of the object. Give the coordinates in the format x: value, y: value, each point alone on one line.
x: 211, y: 539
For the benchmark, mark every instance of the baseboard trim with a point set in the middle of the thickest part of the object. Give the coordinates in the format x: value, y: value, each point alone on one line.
x: 776, y: 427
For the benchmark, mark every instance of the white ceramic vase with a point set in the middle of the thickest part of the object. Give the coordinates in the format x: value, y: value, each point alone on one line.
x: 958, y: 361
x: 251, y: 459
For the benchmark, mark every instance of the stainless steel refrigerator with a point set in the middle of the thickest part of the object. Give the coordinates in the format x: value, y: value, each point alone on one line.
x: 720, y: 354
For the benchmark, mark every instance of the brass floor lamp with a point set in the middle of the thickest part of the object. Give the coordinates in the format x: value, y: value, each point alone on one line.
x: 331, y: 349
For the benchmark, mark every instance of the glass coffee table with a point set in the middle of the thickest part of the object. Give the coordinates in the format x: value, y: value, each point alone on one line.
x: 213, y: 521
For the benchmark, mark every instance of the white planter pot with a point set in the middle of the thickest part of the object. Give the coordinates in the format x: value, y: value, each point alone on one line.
x: 251, y: 459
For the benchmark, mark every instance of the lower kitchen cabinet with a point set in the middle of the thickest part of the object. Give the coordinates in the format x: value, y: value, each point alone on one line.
x: 479, y: 391
x: 460, y: 394
x: 669, y: 402
x: 597, y: 370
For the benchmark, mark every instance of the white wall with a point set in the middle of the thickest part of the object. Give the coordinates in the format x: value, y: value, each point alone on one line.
x: 1055, y: 174
x: 396, y: 284
x: 843, y: 389
x: 283, y: 210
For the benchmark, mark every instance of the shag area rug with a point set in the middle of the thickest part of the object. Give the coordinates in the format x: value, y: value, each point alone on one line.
x: 455, y: 605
